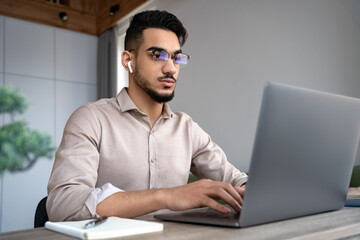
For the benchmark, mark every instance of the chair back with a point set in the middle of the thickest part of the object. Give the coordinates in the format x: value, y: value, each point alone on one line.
x: 40, y: 214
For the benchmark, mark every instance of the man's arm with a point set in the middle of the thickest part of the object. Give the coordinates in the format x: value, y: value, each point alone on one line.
x: 196, y: 194
x: 74, y: 173
x: 210, y: 162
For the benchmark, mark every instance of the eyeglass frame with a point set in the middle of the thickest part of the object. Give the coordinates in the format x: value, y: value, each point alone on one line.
x: 152, y: 50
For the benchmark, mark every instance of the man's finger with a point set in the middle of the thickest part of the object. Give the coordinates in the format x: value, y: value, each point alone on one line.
x: 211, y: 203
x: 226, y: 192
x: 231, y: 200
x: 240, y: 190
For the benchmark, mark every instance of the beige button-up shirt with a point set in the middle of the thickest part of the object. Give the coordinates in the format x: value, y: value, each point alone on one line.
x: 111, y: 142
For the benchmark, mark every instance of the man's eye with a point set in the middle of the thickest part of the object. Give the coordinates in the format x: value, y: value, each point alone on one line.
x: 178, y: 57
x: 181, y: 59
x: 161, y: 55
x: 156, y: 54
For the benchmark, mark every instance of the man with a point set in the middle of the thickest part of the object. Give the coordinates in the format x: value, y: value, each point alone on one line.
x: 131, y: 155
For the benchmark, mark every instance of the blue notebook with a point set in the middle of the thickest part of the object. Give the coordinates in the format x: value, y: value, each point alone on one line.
x: 353, y: 198
x: 352, y: 203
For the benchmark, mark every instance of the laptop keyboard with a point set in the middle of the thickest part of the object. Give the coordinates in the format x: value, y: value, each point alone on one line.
x: 208, y: 212
x: 215, y: 214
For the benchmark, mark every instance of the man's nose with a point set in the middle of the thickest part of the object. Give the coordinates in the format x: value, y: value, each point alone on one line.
x: 170, y: 67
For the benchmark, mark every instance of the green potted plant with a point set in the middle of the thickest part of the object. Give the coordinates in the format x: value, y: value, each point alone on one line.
x: 355, y: 177
x: 20, y: 147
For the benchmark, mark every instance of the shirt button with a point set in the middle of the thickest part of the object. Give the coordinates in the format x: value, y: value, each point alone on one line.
x: 152, y: 160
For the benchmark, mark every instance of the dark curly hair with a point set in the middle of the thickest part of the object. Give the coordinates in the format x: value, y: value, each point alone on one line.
x: 152, y: 19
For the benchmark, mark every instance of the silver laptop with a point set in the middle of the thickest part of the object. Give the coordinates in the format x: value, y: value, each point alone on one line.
x: 303, y: 155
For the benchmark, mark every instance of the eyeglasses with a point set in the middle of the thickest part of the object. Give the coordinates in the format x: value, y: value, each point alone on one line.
x: 161, y: 56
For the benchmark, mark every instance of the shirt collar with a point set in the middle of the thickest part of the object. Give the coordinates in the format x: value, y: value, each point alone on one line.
x: 126, y: 104
x: 167, y: 113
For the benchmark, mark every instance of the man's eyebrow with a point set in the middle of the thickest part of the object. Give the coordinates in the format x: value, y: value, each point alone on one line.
x: 162, y: 49
x: 155, y: 49
x: 177, y: 51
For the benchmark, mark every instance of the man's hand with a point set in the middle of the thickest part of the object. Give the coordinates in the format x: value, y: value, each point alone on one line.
x: 200, y: 193
x: 204, y: 193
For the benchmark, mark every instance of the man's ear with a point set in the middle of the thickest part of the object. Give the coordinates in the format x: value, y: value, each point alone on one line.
x: 126, y: 61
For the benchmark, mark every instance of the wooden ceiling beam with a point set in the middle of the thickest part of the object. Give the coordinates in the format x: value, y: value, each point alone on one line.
x: 87, y: 16
x: 48, y: 13
x: 105, y: 21
x: 87, y: 6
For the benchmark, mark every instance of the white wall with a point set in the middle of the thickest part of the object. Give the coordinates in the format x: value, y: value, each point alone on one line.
x: 56, y: 70
x: 238, y: 45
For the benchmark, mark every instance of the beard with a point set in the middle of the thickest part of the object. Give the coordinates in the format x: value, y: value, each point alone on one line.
x: 143, y: 83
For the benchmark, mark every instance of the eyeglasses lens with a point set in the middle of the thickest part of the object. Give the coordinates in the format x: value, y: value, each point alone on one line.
x: 180, y: 58
x: 164, y: 56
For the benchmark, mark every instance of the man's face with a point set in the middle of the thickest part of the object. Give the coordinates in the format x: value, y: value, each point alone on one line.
x: 157, y: 78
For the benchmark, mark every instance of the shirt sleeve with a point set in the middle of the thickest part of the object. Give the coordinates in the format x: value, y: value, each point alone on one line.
x: 103, y: 192
x: 74, y: 173
x: 210, y: 162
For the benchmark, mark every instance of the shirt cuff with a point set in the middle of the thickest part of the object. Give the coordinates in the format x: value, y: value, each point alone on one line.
x: 104, y: 191
x: 242, y: 181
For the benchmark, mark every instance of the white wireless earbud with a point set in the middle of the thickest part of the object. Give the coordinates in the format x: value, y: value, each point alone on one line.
x: 129, y: 65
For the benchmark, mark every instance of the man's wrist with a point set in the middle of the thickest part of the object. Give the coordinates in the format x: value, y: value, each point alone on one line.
x: 162, y: 197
